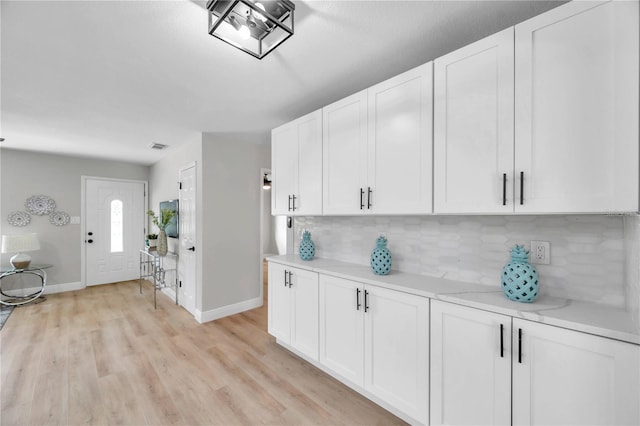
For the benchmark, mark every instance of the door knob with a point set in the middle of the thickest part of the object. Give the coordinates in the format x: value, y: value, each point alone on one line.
x: 89, y: 241
x: 89, y: 233
x: 191, y: 249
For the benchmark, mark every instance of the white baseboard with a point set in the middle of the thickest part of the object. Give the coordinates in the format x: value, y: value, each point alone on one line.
x: 49, y: 289
x: 225, y: 311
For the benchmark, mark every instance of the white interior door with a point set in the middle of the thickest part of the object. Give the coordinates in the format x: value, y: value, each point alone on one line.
x: 187, y: 234
x: 114, y: 229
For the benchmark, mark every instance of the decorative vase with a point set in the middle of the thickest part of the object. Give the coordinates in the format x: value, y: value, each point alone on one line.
x: 162, y: 248
x: 381, y: 257
x: 307, y: 248
x: 519, y: 277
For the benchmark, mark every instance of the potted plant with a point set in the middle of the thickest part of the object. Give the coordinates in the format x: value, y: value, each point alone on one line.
x: 162, y: 222
x: 151, y: 240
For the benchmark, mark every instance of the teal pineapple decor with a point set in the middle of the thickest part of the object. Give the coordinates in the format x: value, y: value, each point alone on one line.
x: 307, y: 248
x: 381, y: 257
x: 519, y: 277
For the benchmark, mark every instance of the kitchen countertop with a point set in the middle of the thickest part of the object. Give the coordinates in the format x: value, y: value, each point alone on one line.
x: 600, y: 320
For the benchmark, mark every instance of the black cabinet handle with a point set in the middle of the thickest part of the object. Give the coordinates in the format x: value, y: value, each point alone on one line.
x: 289, y: 205
x: 361, y: 199
x: 519, y: 346
x: 192, y: 248
x: 501, y: 341
x: 358, y: 299
x: 369, y: 197
x: 521, y: 188
x: 504, y: 189
x: 294, y: 202
x: 285, y: 277
x: 290, y: 275
x: 366, y: 301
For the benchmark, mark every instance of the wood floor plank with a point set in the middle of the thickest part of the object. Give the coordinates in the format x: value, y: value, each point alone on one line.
x: 103, y: 355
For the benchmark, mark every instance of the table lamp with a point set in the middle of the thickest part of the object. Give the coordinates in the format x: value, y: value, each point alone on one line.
x: 19, y: 244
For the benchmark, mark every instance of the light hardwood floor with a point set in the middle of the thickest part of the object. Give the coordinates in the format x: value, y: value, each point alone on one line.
x: 102, y: 355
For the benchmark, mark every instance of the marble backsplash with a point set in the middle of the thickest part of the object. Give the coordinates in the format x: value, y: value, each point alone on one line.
x: 590, y: 258
x: 632, y: 265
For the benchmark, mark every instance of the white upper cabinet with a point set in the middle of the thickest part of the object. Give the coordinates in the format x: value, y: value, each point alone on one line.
x: 473, y: 127
x: 296, y: 166
x: 576, y: 109
x: 377, y: 148
x: 563, y: 377
x: 399, y: 150
x: 344, y: 145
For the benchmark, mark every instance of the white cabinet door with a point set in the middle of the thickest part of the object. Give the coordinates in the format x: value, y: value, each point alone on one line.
x: 473, y: 127
x: 399, y: 151
x: 470, y: 366
x: 308, y: 199
x: 576, y: 108
x: 296, y: 166
x: 344, y: 144
x: 304, y: 311
x: 342, y: 327
x: 571, y: 378
x: 279, y: 315
x: 397, y: 350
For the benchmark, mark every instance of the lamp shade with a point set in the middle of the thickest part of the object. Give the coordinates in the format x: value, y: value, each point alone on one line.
x: 20, y: 243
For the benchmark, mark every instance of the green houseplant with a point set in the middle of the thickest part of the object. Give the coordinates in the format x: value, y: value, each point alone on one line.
x: 162, y: 222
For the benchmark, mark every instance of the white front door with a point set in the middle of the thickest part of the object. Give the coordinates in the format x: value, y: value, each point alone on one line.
x: 114, y: 229
x: 187, y: 235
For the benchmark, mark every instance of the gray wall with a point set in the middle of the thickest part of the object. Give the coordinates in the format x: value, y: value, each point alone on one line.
x: 23, y: 174
x: 231, y: 223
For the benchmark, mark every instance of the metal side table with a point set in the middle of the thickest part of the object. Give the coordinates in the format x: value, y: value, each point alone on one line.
x: 35, y: 269
x: 152, y: 266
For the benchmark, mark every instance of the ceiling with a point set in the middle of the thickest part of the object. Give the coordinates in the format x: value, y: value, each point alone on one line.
x: 107, y: 78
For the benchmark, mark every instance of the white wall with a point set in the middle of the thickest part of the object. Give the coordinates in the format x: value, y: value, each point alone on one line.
x: 23, y: 174
x: 231, y: 225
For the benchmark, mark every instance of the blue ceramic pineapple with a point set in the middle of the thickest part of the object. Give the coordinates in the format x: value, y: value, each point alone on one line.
x: 307, y: 248
x: 519, y: 277
x: 381, y: 257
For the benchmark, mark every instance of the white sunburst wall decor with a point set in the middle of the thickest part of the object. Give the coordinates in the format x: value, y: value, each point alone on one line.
x: 40, y: 205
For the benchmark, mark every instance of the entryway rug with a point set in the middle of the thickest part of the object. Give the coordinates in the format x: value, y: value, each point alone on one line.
x: 5, y: 311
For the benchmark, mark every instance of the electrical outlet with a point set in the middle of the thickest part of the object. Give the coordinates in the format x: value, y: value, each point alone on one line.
x: 540, y: 252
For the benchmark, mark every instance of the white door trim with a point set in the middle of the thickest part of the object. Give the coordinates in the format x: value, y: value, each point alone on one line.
x: 263, y: 170
x: 83, y: 224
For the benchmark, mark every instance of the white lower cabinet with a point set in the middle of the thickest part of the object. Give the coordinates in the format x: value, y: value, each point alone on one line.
x: 470, y: 366
x: 560, y: 377
x: 293, y: 308
x: 377, y: 339
x: 572, y: 378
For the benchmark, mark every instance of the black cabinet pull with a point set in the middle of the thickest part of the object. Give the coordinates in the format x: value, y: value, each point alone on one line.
x: 192, y: 248
x: 366, y: 301
x: 521, y: 188
x: 501, y: 341
x: 369, y: 197
x: 285, y: 277
x: 294, y: 202
x: 519, y: 346
x: 289, y: 204
x: 358, y: 299
x: 290, y: 275
x: 504, y: 189
x: 361, y: 199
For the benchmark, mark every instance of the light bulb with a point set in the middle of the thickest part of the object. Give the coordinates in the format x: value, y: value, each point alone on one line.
x: 244, y: 31
x: 260, y: 16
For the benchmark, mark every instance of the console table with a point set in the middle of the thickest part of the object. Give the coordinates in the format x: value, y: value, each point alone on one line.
x: 152, y: 266
x: 35, y: 269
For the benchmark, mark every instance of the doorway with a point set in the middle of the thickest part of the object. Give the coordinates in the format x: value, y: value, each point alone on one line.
x: 113, y: 229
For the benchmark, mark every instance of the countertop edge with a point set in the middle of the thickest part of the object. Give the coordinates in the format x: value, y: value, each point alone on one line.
x: 600, y: 320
